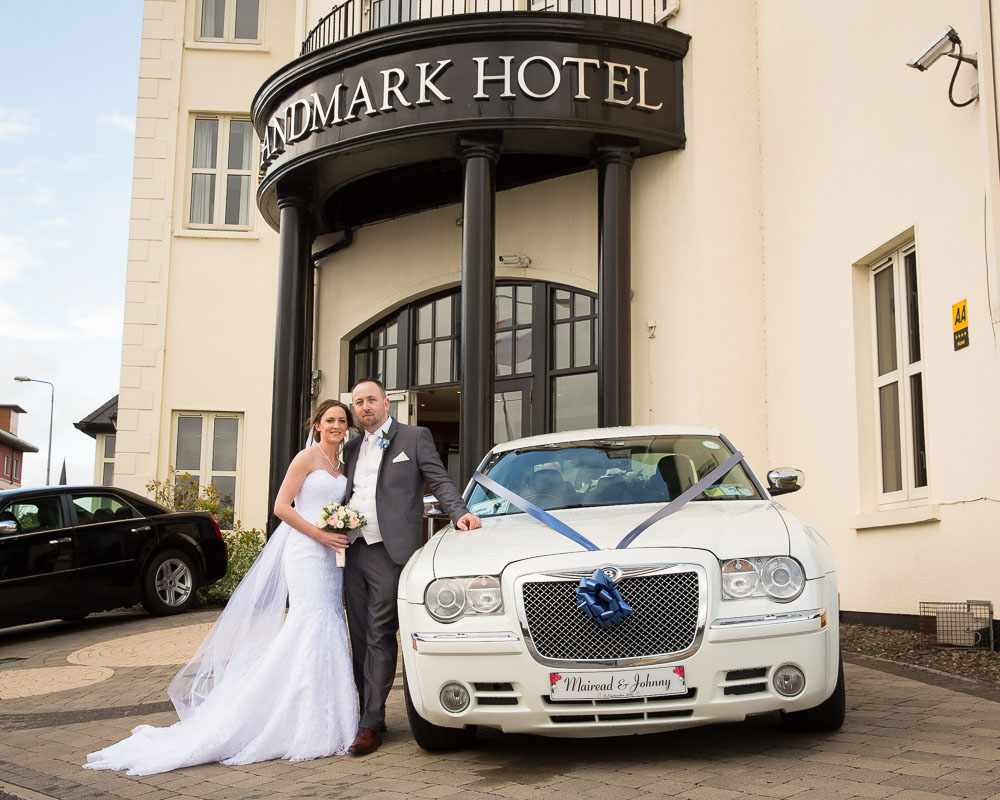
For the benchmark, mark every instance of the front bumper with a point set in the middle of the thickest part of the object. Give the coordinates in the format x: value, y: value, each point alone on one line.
x: 729, y: 675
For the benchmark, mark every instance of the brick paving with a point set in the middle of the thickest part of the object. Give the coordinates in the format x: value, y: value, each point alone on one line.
x: 910, y: 735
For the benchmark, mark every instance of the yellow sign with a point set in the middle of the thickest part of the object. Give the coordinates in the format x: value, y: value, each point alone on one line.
x: 960, y: 324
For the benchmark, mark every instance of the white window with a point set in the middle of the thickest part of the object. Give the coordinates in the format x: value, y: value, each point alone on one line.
x: 207, y: 447
x: 229, y: 21
x: 222, y: 153
x: 6, y: 466
x: 899, y: 378
x: 17, y: 469
x: 105, y: 471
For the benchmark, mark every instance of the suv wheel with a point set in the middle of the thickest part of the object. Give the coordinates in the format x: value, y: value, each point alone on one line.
x: 169, y: 583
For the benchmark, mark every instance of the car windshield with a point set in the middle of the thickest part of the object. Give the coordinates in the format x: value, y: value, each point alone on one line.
x: 610, y: 472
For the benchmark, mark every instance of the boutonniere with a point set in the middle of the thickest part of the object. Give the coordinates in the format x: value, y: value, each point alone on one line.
x: 383, y: 441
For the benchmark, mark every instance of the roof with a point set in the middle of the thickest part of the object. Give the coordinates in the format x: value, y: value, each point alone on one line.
x: 606, y: 433
x: 101, y: 420
x: 16, y: 442
x: 13, y: 407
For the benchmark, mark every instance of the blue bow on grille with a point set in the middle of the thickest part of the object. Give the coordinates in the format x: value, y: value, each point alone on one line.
x: 599, y: 599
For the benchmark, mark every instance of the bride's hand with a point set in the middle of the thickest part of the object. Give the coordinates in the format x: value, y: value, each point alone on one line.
x: 337, y: 541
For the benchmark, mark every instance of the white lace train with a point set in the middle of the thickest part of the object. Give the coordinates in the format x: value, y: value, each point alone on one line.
x: 261, y: 688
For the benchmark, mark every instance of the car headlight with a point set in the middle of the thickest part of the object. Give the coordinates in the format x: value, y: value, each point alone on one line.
x: 780, y: 578
x: 448, y: 599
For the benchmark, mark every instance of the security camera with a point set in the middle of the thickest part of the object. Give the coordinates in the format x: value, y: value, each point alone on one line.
x: 943, y: 45
x: 515, y: 261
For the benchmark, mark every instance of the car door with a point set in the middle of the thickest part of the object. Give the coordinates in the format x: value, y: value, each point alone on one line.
x: 36, y: 560
x: 110, y: 535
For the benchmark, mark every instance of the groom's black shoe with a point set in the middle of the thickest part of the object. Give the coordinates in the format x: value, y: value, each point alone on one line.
x: 367, y: 741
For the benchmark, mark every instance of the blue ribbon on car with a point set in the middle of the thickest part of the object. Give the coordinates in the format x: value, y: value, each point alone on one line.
x: 597, y: 596
x: 559, y: 526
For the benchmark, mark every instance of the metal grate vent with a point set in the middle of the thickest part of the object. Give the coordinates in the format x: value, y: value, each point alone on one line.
x: 664, y: 619
x: 958, y: 624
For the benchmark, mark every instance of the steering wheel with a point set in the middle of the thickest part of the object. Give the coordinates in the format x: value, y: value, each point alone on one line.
x: 537, y: 499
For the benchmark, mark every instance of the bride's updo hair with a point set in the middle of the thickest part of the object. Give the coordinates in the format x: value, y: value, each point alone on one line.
x: 323, y: 407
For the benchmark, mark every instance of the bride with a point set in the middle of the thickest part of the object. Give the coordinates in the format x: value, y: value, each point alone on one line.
x: 263, y: 685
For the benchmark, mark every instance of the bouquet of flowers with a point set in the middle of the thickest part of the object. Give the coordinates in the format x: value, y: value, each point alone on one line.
x: 340, y: 519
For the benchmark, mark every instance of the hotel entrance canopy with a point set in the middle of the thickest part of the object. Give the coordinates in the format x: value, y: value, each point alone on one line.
x: 429, y: 107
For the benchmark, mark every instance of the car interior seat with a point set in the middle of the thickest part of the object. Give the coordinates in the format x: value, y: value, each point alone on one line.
x: 48, y: 514
x: 677, y: 472
x: 101, y: 514
x: 549, y: 486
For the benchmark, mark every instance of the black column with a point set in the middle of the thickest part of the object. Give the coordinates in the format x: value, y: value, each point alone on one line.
x: 479, y: 157
x: 292, y: 343
x: 614, y: 279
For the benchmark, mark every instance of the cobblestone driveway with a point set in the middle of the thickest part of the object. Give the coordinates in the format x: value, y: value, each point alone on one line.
x: 77, y: 687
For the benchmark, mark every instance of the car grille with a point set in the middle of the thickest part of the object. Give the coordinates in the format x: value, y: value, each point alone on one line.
x: 664, y: 619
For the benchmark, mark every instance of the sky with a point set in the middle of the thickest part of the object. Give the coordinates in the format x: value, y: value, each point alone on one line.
x: 70, y: 74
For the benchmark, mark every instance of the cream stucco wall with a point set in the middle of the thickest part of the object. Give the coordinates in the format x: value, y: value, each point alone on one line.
x: 200, y: 305
x: 856, y: 150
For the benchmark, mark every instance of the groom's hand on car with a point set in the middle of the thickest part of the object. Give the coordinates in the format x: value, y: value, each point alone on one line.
x: 468, y: 522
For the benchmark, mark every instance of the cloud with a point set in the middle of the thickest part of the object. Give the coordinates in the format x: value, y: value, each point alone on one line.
x: 42, y: 196
x: 14, y: 255
x: 118, y: 122
x: 15, y: 123
x: 79, y: 163
x: 28, y: 325
x: 103, y: 322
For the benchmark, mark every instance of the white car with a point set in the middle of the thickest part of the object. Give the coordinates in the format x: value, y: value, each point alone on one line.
x: 651, y: 583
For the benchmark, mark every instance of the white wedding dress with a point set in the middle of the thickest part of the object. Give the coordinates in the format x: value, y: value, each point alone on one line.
x: 263, y: 684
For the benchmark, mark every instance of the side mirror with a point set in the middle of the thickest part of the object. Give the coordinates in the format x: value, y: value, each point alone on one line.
x: 431, y: 507
x: 784, y: 480
x: 8, y: 526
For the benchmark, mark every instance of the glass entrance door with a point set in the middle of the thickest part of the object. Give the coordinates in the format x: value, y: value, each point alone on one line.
x: 511, y: 409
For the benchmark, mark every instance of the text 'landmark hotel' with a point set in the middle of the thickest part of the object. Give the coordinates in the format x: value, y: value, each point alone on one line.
x: 528, y: 217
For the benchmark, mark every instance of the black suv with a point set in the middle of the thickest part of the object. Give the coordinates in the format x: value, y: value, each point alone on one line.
x: 67, y: 551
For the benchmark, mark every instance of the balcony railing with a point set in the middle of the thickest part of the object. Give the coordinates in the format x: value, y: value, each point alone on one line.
x: 358, y: 16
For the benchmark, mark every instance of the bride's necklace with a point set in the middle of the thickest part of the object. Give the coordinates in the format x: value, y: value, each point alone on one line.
x: 334, y: 467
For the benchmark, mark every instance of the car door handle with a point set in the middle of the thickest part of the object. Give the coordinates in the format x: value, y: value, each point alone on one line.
x: 141, y: 529
x: 63, y: 540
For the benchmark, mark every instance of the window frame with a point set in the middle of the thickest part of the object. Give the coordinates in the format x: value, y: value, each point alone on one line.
x: 205, y: 469
x: 902, y: 375
x: 221, y: 172
x: 228, y: 25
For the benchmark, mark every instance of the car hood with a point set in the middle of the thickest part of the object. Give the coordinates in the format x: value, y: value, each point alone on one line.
x: 728, y: 529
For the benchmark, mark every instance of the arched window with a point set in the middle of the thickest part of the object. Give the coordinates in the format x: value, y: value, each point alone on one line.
x: 545, y: 357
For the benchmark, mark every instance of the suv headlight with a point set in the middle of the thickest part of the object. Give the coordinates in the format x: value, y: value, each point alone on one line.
x: 448, y: 599
x: 780, y: 578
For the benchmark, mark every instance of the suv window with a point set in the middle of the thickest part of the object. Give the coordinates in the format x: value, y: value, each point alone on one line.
x: 38, y: 514
x: 93, y: 509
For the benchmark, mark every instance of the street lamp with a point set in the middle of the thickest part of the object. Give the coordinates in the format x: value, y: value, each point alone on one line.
x: 52, y: 403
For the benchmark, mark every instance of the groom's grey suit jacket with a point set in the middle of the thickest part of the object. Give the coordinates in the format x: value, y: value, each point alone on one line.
x: 399, y: 490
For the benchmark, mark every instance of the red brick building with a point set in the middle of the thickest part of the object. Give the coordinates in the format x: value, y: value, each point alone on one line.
x: 12, y: 449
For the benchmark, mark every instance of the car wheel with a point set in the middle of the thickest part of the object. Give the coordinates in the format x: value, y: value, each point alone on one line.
x: 169, y: 583
x: 435, y: 737
x: 827, y: 716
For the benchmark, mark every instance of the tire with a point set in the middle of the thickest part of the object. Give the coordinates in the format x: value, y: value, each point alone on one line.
x: 169, y: 583
x: 827, y: 716
x: 434, y: 737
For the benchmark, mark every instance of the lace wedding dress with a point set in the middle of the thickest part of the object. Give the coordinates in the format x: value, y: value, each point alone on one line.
x: 263, y: 684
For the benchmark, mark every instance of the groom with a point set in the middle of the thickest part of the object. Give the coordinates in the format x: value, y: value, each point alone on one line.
x: 386, y: 472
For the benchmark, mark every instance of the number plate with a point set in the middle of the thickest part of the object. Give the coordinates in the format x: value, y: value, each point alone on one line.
x: 624, y: 683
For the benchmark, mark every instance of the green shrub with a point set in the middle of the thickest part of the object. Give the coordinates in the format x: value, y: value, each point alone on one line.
x: 181, y: 492
x: 244, y: 547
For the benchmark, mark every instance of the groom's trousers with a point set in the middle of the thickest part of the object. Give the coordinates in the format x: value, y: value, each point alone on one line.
x: 370, y: 581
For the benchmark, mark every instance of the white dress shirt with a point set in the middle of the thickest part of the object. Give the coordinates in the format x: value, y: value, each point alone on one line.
x: 365, y: 483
